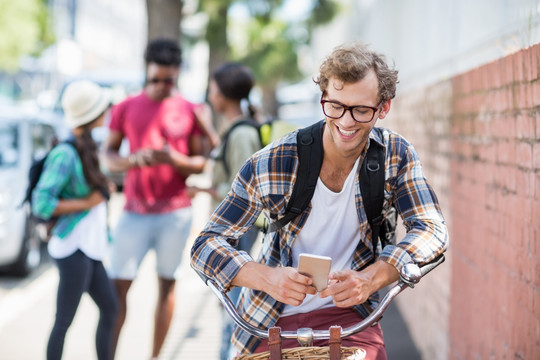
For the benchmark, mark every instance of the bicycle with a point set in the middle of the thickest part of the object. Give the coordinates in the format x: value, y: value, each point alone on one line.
x: 410, y: 275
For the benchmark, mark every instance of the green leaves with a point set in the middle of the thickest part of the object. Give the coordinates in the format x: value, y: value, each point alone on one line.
x: 24, y: 29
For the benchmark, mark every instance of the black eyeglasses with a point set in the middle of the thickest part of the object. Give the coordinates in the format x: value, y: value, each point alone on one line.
x: 359, y: 113
x: 166, y: 81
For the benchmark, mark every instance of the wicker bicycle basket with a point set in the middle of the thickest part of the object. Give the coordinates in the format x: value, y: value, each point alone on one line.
x: 309, y: 353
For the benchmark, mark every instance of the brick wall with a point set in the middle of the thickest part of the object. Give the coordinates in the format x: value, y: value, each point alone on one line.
x: 478, y: 136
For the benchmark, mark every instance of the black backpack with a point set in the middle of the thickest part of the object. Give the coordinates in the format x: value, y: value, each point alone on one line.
x: 35, y: 173
x: 310, y: 155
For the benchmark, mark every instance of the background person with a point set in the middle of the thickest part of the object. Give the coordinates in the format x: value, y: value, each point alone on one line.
x: 167, y: 143
x: 229, y: 86
x: 73, y: 188
x: 357, y: 88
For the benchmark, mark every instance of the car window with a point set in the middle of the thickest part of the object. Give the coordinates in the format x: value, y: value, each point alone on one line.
x: 9, y: 145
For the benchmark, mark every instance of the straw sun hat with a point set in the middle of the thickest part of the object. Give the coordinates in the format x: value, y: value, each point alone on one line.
x: 83, y: 101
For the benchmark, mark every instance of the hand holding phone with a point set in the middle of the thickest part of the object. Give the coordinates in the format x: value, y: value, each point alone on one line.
x: 316, y: 267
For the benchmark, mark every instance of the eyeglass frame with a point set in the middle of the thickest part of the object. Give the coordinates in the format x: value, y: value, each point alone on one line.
x: 350, y: 108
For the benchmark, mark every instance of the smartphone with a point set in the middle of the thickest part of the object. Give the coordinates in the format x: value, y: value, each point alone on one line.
x: 316, y: 267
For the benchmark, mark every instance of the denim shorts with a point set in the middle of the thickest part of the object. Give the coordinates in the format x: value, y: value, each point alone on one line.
x: 135, y: 234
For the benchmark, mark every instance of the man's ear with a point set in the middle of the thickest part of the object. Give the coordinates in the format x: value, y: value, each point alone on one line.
x: 385, y: 109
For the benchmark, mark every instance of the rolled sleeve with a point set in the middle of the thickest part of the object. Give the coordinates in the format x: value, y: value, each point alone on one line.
x: 213, y: 253
x: 218, y: 260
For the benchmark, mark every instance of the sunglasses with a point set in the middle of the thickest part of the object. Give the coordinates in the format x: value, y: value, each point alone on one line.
x: 166, y: 81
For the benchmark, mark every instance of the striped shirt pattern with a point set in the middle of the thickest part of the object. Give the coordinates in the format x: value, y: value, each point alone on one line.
x: 265, y: 183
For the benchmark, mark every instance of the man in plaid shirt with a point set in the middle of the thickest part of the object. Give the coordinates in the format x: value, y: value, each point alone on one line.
x: 357, y: 89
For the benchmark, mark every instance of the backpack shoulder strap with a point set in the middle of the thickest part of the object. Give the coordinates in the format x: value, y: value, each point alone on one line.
x: 225, y: 140
x: 310, y: 156
x: 372, y: 186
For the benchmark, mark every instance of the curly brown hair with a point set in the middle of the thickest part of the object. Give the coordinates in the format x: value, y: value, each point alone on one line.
x: 350, y: 63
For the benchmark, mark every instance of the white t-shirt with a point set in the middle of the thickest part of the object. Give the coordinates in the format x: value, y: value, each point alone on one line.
x: 331, y: 229
x: 89, y: 236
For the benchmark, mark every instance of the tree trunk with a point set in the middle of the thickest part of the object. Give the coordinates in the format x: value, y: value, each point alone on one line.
x: 269, y: 101
x: 164, y: 17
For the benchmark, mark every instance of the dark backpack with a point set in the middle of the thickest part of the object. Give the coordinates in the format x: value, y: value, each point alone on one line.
x: 310, y: 155
x: 35, y: 173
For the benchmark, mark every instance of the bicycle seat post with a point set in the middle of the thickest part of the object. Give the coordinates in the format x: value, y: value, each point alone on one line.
x: 305, y: 336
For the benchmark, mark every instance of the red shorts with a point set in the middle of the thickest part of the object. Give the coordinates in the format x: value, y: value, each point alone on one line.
x: 370, y: 339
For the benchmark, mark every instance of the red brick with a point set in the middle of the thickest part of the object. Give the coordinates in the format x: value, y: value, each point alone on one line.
x: 535, y: 86
x: 506, y: 152
x: 535, y: 61
x: 525, y: 126
x: 532, y: 65
x: 536, y: 311
x: 524, y: 154
x: 509, y: 69
x: 536, y: 278
x: 503, y: 100
x: 537, y: 186
x: 535, y: 213
x: 523, y: 96
x: 517, y: 66
x: 503, y: 126
x: 487, y: 153
x: 536, y: 156
x: 537, y: 120
x: 534, y: 241
x: 525, y: 184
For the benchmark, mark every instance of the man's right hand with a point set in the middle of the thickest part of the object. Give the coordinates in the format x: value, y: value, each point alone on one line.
x: 284, y: 284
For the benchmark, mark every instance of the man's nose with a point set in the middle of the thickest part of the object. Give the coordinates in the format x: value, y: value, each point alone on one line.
x: 347, y: 118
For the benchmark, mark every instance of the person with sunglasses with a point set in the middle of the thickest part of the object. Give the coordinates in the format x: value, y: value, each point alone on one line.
x: 169, y: 138
x: 357, y: 87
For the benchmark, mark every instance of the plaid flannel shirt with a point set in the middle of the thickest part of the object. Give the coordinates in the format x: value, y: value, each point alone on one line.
x: 265, y: 183
x: 62, y: 178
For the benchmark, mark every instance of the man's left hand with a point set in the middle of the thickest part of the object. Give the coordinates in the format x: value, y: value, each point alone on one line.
x: 348, y: 288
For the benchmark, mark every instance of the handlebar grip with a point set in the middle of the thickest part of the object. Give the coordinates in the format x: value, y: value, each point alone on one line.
x: 204, y: 278
x: 425, y: 269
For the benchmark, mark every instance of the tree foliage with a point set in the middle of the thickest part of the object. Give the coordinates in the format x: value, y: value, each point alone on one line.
x: 270, y: 45
x: 25, y: 29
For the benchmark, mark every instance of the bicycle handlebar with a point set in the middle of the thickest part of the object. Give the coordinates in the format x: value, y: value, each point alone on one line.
x: 410, y: 275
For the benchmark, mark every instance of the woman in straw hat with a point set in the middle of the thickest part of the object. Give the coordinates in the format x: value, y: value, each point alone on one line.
x: 73, y: 189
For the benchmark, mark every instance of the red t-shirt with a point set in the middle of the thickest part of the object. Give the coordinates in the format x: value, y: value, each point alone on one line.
x: 150, y: 124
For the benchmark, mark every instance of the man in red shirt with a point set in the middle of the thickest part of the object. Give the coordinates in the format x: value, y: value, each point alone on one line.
x: 167, y: 136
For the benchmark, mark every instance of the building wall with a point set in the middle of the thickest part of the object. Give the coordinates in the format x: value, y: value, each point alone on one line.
x: 424, y: 117
x: 478, y: 135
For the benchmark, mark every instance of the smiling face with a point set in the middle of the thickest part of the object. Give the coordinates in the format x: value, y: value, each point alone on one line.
x: 346, y: 137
